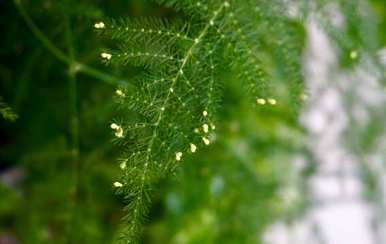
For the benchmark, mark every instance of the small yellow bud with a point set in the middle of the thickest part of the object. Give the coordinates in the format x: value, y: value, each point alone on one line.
x: 114, y: 126
x: 123, y: 165
x: 260, y: 101
x: 272, y: 101
x: 205, y: 113
x: 205, y: 127
x: 120, y: 93
x: 99, y: 25
x: 193, y: 148
x: 106, y: 56
x: 178, y: 156
x: 119, y: 133
x: 353, y: 54
x: 118, y: 184
x: 206, y: 141
x: 118, y: 130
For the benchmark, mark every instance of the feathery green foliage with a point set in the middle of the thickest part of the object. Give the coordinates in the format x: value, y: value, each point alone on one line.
x: 177, y: 94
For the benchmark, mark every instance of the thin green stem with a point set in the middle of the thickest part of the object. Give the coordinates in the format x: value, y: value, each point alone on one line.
x: 74, y: 65
x: 74, y: 132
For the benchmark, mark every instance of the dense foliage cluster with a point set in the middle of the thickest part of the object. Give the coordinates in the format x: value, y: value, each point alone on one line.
x: 184, y: 67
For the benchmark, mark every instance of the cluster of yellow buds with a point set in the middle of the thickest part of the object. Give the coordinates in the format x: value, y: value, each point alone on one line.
x: 263, y: 101
x: 106, y: 56
x: 118, y: 184
x: 118, y: 130
x: 178, y: 156
x: 99, y: 25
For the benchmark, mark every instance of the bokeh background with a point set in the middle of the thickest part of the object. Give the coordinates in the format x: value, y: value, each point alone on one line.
x: 276, y: 175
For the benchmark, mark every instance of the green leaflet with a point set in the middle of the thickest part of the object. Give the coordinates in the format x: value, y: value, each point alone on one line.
x: 7, y: 112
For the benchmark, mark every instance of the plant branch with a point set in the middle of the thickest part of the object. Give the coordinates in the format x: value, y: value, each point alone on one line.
x: 74, y: 65
x: 74, y: 131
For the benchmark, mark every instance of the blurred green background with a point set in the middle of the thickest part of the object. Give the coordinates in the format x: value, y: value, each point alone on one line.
x: 54, y: 192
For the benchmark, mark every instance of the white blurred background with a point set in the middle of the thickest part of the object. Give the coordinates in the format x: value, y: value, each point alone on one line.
x: 341, y: 105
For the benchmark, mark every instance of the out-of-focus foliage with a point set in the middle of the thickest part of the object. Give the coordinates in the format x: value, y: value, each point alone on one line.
x: 7, y: 112
x: 48, y: 195
x: 57, y: 162
x: 230, y: 192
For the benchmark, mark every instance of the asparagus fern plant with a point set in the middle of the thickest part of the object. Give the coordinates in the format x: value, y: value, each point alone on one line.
x: 184, y: 67
x: 195, y: 83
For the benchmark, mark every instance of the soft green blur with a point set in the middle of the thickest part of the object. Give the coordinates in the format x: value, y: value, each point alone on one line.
x: 57, y: 162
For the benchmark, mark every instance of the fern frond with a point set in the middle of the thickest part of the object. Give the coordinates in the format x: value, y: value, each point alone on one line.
x: 145, y: 29
x: 177, y: 94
